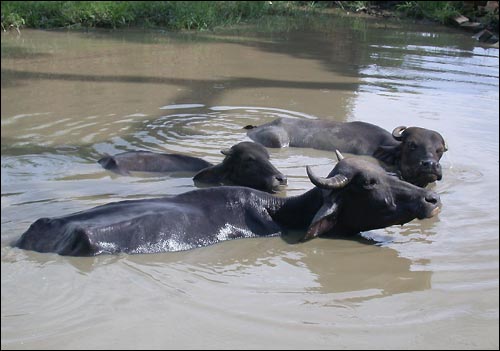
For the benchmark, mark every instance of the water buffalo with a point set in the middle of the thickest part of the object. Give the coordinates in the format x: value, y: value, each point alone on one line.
x: 147, y: 161
x: 414, y: 152
x: 356, y: 196
x: 245, y: 164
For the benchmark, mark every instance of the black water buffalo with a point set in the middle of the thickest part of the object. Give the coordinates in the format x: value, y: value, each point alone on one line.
x: 414, y: 152
x: 147, y: 161
x: 356, y: 196
x: 245, y: 164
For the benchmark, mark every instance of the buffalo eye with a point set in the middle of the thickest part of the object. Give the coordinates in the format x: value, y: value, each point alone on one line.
x: 248, y: 161
x: 440, y: 150
x: 412, y: 146
x: 369, y: 183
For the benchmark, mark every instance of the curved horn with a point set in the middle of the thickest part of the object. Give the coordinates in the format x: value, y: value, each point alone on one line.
x: 340, y: 157
x: 397, y: 133
x: 336, y: 182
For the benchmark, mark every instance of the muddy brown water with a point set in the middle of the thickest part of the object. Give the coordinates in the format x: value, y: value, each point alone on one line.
x: 68, y: 98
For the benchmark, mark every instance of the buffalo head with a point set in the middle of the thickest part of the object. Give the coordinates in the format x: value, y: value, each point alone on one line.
x: 416, y: 156
x: 245, y: 164
x: 420, y: 152
x: 359, y: 195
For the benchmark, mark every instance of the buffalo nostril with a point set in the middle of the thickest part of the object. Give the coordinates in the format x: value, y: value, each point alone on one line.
x: 432, y: 198
x: 281, y: 179
x: 430, y: 164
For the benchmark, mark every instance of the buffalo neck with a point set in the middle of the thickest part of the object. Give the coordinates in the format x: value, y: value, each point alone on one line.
x: 296, y: 212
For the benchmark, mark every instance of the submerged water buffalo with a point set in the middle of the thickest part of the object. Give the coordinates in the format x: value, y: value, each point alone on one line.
x: 356, y: 196
x: 245, y: 164
x: 414, y: 152
x: 148, y: 161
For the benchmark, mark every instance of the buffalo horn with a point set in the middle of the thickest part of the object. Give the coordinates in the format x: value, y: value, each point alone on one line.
x: 340, y: 157
x: 336, y: 182
x: 397, y: 133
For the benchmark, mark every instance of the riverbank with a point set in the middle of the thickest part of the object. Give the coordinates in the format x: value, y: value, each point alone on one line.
x: 171, y: 15
x: 478, y: 17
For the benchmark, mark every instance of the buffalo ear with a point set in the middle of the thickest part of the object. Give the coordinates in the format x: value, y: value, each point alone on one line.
x: 388, y: 154
x: 109, y: 163
x: 210, y: 175
x: 325, y: 219
x: 226, y: 152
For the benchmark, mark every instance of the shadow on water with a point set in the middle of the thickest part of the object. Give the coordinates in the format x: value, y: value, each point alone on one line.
x: 325, y: 38
x: 316, y: 39
x: 355, y: 271
x: 22, y: 53
x: 283, y: 37
x: 204, y: 85
x: 294, y: 237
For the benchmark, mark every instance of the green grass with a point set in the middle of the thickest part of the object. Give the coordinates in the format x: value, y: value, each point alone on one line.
x: 441, y: 11
x: 197, y: 15
x: 173, y: 15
